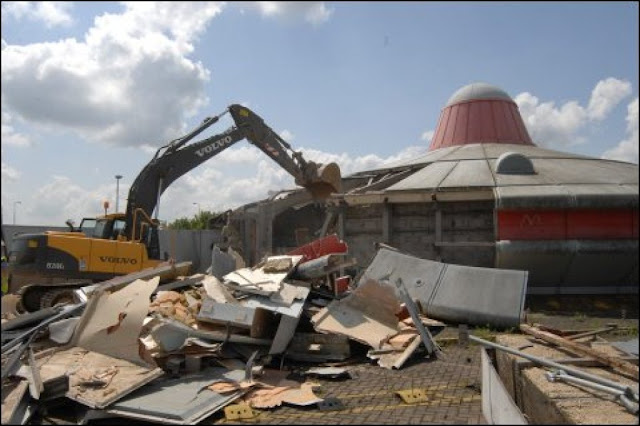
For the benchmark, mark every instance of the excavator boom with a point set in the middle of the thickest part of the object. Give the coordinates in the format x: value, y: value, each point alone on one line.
x: 46, y: 268
x: 179, y: 158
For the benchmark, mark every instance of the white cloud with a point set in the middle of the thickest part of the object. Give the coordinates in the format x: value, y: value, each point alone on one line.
x: 130, y: 76
x: 558, y: 127
x: 239, y: 175
x: 51, y: 206
x: 9, y: 173
x: 627, y: 149
x: 427, y: 135
x: 550, y: 126
x: 287, y: 135
x: 10, y: 136
x: 349, y: 165
x: 313, y: 12
x: 606, y: 95
x: 49, y: 12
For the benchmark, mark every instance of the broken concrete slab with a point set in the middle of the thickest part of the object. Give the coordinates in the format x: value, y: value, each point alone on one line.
x: 172, y: 334
x: 368, y: 315
x: 216, y: 291
x: 178, y: 400
x: 224, y: 313
x: 111, y: 322
x: 221, y: 263
x: 258, y: 281
x: 289, y: 292
x: 95, y: 380
x: 454, y: 293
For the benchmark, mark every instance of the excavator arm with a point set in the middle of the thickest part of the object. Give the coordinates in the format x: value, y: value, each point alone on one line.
x: 179, y: 158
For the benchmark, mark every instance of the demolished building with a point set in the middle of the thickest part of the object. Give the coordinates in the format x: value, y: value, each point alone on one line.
x: 485, y: 195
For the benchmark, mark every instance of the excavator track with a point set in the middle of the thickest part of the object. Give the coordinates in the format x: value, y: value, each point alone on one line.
x: 40, y: 296
x: 58, y: 295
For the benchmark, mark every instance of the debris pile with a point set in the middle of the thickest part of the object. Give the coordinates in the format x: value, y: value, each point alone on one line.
x: 205, y: 342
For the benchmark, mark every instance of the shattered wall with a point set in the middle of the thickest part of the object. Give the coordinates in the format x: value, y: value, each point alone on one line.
x: 463, y: 233
x: 296, y: 226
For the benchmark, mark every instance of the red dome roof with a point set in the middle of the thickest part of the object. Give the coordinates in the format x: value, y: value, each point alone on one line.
x: 480, y: 113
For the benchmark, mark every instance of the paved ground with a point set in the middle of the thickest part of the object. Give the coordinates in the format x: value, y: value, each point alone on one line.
x: 452, y: 386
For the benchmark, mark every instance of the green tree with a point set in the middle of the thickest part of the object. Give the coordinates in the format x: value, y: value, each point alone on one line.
x: 198, y: 221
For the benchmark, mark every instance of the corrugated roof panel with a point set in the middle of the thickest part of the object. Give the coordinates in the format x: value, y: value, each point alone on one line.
x: 437, y: 138
x: 459, y: 135
x: 429, y: 177
x: 471, y: 173
x: 452, y: 122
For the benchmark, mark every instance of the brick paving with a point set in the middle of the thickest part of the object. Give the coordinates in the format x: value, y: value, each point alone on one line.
x: 452, y: 386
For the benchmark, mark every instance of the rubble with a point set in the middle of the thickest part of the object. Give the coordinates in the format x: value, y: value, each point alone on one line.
x: 179, y: 352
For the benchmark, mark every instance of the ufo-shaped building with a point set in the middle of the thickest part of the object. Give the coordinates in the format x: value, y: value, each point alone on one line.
x: 482, y: 195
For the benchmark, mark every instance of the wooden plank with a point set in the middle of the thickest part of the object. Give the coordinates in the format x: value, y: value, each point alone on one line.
x: 616, y: 363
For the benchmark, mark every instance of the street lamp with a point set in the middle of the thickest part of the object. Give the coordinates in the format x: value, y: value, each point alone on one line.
x: 14, y: 210
x: 118, y: 177
x: 198, y: 204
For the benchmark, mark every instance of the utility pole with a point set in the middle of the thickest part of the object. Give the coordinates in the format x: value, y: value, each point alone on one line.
x: 118, y: 177
x: 14, y: 210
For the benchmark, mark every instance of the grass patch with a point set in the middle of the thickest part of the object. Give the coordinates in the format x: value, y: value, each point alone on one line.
x: 485, y: 332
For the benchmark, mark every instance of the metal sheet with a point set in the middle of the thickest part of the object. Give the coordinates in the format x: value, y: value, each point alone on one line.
x: 258, y: 281
x: 566, y: 196
x: 498, y: 407
x: 630, y: 346
x: 557, y: 266
x: 263, y: 302
x: 456, y: 293
x: 179, y: 400
x: 222, y: 313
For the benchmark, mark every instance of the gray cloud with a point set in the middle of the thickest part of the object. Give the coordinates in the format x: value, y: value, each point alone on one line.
x: 129, y: 82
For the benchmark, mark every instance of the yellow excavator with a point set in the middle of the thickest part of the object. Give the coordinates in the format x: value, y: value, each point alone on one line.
x: 46, y: 268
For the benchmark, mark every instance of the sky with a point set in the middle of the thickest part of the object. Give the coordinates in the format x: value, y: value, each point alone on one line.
x: 91, y: 90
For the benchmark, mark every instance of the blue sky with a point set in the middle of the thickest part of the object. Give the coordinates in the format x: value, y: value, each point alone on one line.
x: 92, y: 89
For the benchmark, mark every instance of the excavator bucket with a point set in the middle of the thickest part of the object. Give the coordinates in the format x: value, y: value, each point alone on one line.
x: 324, y: 180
